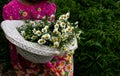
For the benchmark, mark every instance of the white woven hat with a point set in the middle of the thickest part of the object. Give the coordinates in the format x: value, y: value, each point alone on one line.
x: 30, y: 50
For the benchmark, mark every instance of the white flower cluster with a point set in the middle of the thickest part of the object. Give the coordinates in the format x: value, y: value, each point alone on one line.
x: 55, y: 34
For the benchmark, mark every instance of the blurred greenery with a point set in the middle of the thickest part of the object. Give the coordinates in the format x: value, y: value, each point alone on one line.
x: 98, y: 53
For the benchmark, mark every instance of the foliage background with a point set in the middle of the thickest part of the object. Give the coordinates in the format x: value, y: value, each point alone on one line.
x: 99, y: 52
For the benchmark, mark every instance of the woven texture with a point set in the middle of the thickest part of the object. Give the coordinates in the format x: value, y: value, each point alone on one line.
x: 30, y: 50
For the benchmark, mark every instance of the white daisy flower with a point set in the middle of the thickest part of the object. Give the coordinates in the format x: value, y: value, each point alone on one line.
x: 62, y: 24
x: 56, y: 26
x: 44, y: 30
x: 23, y: 33
x: 64, y: 17
x: 38, y: 33
x: 56, y: 44
x: 58, y: 22
x: 52, y: 16
x: 46, y: 36
x: 61, y: 18
x: 41, y: 41
x: 33, y: 23
x: 69, y: 29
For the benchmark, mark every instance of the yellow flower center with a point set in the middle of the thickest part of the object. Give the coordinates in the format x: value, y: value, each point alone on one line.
x: 42, y: 40
x: 47, y: 37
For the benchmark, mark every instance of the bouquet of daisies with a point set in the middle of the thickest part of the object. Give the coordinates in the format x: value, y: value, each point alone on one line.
x: 55, y: 34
